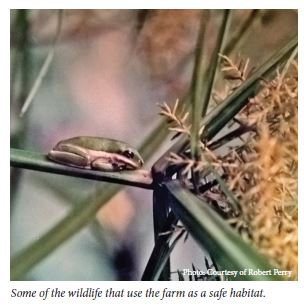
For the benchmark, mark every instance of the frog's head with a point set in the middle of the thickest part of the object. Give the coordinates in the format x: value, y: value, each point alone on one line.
x: 133, y: 160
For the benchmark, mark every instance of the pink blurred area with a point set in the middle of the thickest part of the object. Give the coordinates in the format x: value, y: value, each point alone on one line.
x: 98, y: 82
x: 110, y: 75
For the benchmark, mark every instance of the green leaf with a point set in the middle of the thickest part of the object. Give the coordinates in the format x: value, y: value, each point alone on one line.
x: 212, y: 67
x: 39, y: 162
x: 203, y: 79
x: 241, y: 33
x: 197, y: 82
x: 160, y: 215
x: 161, y: 251
x: 214, y: 234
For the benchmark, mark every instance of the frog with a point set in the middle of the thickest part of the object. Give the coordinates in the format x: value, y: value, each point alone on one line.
x: 96, y: 153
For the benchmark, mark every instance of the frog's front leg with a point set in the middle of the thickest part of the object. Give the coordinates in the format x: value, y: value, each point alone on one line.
x: 71, y: 155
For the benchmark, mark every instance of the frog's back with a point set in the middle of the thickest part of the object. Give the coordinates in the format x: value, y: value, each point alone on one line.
x: 98, y: 143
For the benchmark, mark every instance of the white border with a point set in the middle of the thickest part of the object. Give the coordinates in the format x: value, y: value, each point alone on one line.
x: 278, y: 292
x: 133, y: 4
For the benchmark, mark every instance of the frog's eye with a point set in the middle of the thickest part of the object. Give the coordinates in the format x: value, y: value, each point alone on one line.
x: 128, y: 153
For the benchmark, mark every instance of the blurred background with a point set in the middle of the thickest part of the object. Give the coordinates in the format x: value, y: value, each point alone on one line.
x: 108, y: 71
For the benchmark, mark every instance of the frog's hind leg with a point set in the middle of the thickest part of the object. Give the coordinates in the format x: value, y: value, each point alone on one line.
x: 103, y: 164
x: 70, y: 155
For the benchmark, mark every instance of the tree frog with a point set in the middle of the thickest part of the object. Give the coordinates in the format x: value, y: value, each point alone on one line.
x: 96, y: 153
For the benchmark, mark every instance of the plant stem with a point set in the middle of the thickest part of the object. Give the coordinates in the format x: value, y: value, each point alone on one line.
x: 241, y: 34
x: 44, y: 69
x: 39, y: 162
x: 212, y: 232
x: 211, y: 71
x: 160, y: 251
x: 196, y: 89
x: 160, y: 215
x: 20, y: 81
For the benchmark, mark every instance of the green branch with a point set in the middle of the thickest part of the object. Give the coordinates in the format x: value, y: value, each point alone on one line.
x: 213, y: 233
x: 38, y: 162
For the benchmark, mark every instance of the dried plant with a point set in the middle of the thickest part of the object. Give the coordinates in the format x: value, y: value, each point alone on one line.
x: 266, y: 181
x: 206, y: 159
x: 261, y: 172
x: 234, y: 72
x: 177, y: 117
